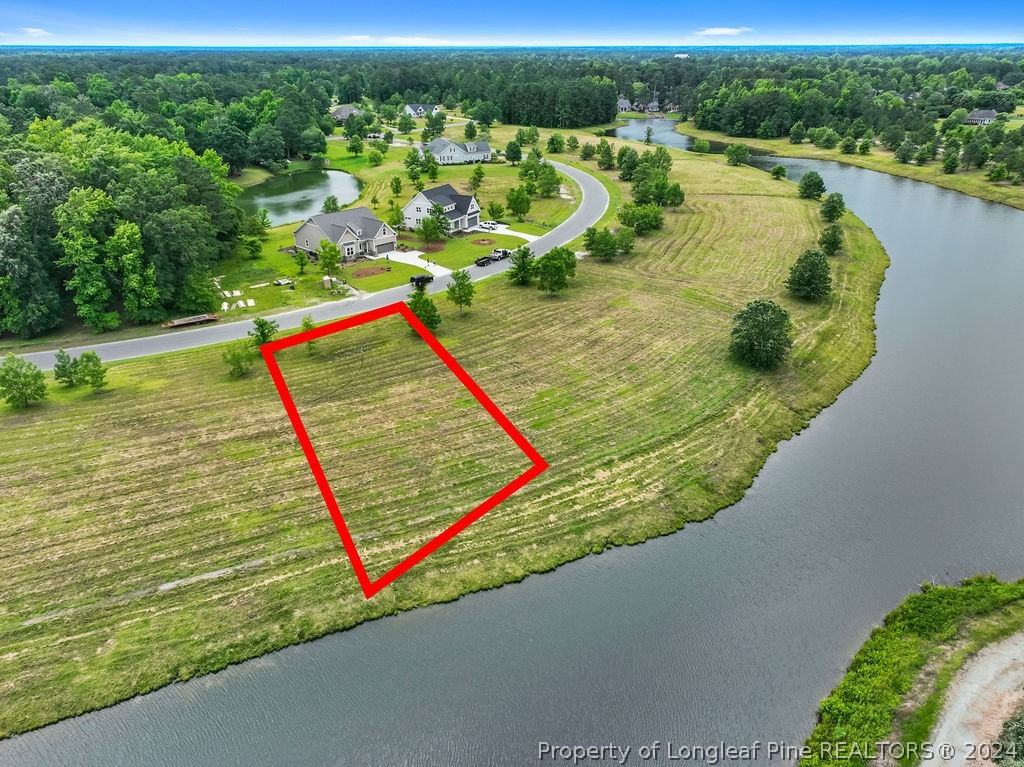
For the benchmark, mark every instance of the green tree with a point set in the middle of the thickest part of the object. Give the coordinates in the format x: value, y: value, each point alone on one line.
x: 429, y: 166
x: 905, y: 151
x: 811, y: 187
x: 329, y: 255
x: 548, y: 182
x: 476, y: 179
x: 331, y: 204
x: 810, y: 278
x: 556, y: 143
x: 513, y: 152
x: 572, y: 143
x: 522, y: 266
x: 64, y: 368
x: 779, y: 172
x: 495, y: 209
x: 701, y: 146
x: 551, y: 272
x: 239, y: 357
x: 649, y: 135
x: 737, y: 154
x: 262, y: 332
x: 355, y: 146
x: 518, y: 201
x: 406, y: 125
x: 603, y: 244
x: 864, y: 147
x: 797, y: 133
x: 374, y: 158
x: 229, y: 142
x: 950, y: 162
x: 469, y: 132
x: 848, y: 145
x: 425, y: 309
x: 641, y: 218
x: 84, y: 222
x: 90, y: 371
x: 396, y: 218
x: 21, y: 382
x: 266, y: 146
x: 307, y: 325
x: 761, y: 335
x: 461, y: 289
x: 831, y: 239
x: 587, y: 151
x: 396, y: 186
x: 301, y: 260
x: 139, y: 293
x: 605, y: 158
x: 440, y: 218
x: 833, y: 207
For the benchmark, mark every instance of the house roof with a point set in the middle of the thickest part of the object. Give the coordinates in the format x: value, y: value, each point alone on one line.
x: 982, y: 114
x: 446, y: 195
x: 624, y: 104
x: 424, y: 107
x: 1001, y: 86
x: 343, y: 112
x: 438, y: 145
x: 356, y: 220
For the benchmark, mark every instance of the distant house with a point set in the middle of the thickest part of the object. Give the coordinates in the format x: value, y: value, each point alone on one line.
x: 462, y: 210
x: 421, y: 110
x: 624, y: 105
x: 1001, y: 86
x: 356, y: 232
x: 448, y: 152
x: 653, y: 106
x: 981, y: 117
x: 342, y: 113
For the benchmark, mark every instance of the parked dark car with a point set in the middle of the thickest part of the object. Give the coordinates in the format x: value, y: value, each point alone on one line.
x: 421, y: 280
x: 483, y: 261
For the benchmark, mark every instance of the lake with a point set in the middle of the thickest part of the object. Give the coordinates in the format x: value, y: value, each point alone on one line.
x: 732, y: 629
x: 293, y: 197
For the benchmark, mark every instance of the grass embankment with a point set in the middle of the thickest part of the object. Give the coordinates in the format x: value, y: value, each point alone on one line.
x: 896, y: 684
x: 178, y: 475
x: 972, y: 182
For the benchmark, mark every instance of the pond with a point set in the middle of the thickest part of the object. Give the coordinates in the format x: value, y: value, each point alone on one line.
x: 732, y: 629
x: 293, y: 197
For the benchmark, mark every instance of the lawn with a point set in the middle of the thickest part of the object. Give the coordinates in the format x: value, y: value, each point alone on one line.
x: 461, y: 251
x: 623, y: 384
x: 972, y: 182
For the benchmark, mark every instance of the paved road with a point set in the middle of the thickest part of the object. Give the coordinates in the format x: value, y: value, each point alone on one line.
x: 593, y: 204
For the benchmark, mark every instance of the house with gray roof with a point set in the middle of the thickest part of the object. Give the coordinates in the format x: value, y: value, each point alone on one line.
x: 462, y: 210
x: 356, y: 232
x: 448, y: 152
x: 981, y: 117
x: 342, y: 113
x: 624, y: 105
x: 421, y: 110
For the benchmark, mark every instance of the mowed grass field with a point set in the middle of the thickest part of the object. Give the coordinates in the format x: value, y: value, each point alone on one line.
x: 171, y: 526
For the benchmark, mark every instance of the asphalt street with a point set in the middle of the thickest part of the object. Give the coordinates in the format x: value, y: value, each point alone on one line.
x: 592, y: 205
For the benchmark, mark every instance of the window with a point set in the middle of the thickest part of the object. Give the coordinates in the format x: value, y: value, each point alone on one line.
x: 418, y: 209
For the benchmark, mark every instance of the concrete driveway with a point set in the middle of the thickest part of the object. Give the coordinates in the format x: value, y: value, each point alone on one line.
x: 593, y: 204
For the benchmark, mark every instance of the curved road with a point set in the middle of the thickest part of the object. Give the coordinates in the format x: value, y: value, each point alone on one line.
x: 593, y: 203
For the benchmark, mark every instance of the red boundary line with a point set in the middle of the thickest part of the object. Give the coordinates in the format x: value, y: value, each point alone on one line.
x: 371, y: 587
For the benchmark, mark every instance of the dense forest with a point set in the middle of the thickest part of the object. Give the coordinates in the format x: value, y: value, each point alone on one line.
x: 115, y: 197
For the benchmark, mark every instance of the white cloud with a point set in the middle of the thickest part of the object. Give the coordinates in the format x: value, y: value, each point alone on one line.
x: 35, y: 32
x: 722, y: 31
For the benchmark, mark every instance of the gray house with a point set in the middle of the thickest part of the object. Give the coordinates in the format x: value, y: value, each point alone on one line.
x: 981, y: 117
x: 624, y: 105
x: 356, y: 232
x: 462, y: 210
x: 342, y: 113
x: 448, y: 152
x: 420, y: 110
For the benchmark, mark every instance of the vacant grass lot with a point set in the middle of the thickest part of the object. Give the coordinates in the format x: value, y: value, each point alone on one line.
x: 972, y: 182
x: 170, y: 526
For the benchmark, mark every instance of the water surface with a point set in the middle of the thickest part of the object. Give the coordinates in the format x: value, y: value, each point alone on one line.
x: 297, y: 196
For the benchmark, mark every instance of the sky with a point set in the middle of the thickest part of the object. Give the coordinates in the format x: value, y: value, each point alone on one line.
x: 358, y: 23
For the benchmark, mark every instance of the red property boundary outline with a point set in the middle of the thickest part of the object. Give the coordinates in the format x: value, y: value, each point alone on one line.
x: 371, y: 587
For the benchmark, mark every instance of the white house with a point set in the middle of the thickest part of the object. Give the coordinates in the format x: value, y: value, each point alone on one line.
x: 981, y: 117
x: 448, y: 152
x: 356, y: 232
x: 462, y: 210
x: 421, y: 110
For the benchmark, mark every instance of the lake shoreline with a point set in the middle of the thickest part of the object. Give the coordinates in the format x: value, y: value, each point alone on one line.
x: 973, y: 186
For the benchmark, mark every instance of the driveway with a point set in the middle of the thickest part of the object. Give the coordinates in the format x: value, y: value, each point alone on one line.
x: 593, y: 204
